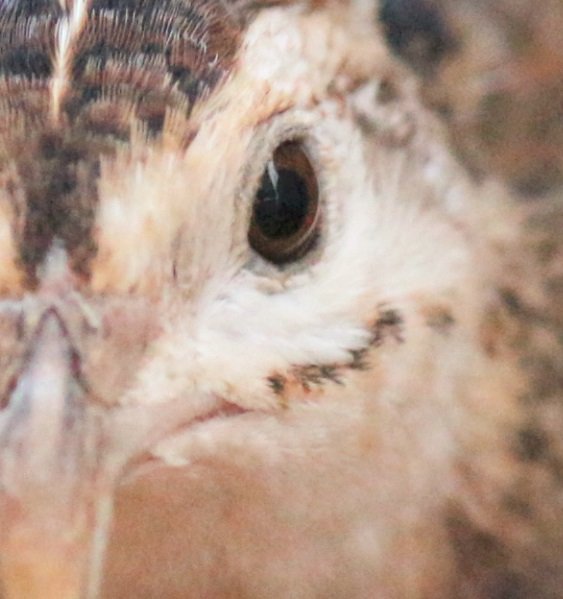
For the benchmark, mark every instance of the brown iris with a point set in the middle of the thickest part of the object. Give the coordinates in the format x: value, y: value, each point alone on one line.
x: 286, y: 211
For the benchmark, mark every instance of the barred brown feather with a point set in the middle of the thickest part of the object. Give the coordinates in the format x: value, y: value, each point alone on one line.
x: 75, y: 81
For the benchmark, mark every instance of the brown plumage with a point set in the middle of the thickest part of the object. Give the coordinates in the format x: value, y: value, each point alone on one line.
x: 66, y: 102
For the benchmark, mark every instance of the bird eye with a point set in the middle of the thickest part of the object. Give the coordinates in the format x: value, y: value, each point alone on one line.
x: 286, y: 212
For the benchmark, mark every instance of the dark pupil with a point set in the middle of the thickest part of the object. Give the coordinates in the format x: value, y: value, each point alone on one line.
x: 281, y: 206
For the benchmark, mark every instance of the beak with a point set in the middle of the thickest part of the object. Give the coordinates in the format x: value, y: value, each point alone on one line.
x: 55, y: 501
x: 62, y: 456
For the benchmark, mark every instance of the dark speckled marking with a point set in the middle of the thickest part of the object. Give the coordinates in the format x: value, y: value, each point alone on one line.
x: 277, y: 383
x: 30, y: 8
x: 518, y: 506
x: 26, y: 62
x: 440, y: 319
x: 316, y: 375
x: 483, y: 561
x: 532, y: 444
x: 59, y: 180
x: 388, y: 325
x: 416, y: 30
x: 511, y: 300
x: 359, y: 359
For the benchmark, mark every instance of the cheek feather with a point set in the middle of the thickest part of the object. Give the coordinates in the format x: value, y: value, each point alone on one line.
x: 135, y: 234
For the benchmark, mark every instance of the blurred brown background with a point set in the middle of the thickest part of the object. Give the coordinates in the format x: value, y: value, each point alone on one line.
x: 494, y: 69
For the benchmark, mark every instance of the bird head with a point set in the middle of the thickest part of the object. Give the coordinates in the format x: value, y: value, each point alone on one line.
x: 209, y: 224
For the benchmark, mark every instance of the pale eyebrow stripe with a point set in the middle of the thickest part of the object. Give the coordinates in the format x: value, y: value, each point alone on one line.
x: 68, y: 30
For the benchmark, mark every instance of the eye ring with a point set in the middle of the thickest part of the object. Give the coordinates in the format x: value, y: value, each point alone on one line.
x: 286, y: 214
